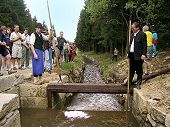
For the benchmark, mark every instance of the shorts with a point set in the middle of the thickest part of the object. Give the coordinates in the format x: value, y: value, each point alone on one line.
x: 4, y: 51
x: 16, y: 51
x: 149, y: 52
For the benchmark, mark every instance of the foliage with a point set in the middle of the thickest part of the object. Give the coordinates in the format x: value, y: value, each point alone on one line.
x: 15, y: 12
x: 103, y: 24
x: 78, y: 63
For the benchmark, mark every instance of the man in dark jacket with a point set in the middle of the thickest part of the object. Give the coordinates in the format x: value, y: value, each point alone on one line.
x: 137, y: 53
x: 60, y: 45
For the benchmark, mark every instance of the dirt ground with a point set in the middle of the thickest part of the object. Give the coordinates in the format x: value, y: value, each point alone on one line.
x: 158, y: 88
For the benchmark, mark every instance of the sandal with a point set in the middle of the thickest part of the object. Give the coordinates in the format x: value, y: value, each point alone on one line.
x: 146, y: 74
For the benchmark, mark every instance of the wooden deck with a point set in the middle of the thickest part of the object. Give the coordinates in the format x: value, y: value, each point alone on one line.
x: 84, y: 88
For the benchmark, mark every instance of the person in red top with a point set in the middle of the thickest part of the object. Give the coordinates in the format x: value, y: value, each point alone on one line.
x: 155, y: 41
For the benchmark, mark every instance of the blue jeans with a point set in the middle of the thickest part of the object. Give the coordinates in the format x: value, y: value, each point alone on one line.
x: 48, y: 59
x: 154, y: 50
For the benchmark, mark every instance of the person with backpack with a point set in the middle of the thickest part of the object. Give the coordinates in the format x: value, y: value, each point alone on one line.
x: 148, y: 61
x: 155, y: 41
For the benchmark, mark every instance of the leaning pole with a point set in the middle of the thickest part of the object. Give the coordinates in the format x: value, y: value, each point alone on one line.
x: 52, y: 31
x: 129, y: 39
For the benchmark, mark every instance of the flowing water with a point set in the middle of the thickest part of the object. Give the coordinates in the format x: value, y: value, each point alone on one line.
x: 56, y: 118
x: 85, y: 110
x: 94, y: 102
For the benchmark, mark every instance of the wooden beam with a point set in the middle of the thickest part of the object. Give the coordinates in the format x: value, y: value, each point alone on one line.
x: 88, y: 88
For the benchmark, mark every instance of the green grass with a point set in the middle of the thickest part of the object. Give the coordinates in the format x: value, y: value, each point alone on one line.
x: 78, y: 63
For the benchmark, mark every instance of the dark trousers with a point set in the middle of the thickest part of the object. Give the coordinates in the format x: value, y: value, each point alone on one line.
x: 136, y: 66
x: 115, y: 57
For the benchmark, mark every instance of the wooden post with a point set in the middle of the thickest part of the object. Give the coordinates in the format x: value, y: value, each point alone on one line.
x: 49, y: 97
x: 128, y: 88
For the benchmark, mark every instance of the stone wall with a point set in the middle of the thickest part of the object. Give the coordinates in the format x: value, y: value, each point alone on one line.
x: 33, y: 96
x: 9, y: 99
x: 147, y: 113
x: 9, y: 110
x: 10, y: 83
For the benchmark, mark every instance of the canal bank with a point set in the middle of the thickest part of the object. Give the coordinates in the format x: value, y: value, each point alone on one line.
x: 17, y: 91
x: 85, y: 110
x: 150, y: 105
x: 145, y: 116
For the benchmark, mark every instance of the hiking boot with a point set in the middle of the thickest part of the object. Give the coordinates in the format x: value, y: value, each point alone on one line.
x: 11, y: 72
x: 139, y: 83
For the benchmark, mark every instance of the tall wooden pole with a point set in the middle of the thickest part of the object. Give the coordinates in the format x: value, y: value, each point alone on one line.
x: 129, y: 39
x: 49, y: 14
x: 53, y: 41
x: 128, y: 87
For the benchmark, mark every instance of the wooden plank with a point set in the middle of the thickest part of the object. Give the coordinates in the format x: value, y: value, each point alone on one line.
x: 88, y: 88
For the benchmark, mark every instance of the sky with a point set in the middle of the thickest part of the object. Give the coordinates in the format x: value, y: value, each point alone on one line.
x: 64, y: 14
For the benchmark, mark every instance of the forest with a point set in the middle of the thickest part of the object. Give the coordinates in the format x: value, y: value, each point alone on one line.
x: 104, y: 24
x: 15, y: 12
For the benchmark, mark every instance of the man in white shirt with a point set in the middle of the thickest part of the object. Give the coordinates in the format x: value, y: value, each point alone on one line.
x: 137, y: 53
x: 16, y: 38
x: 25, y: 49
x: 36, y: 43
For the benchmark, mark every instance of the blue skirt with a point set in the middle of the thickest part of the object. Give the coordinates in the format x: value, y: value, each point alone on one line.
x: 38, y: 65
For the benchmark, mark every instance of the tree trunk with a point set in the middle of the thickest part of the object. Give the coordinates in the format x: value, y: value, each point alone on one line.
x: 150, y: 76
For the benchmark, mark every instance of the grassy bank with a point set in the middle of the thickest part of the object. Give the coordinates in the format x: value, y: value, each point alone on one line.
x: 78, y: 63
x: 118, y: 71
x: 74, y: 70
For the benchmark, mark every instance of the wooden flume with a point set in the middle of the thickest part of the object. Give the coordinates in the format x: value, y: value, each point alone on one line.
x: 52, y: 31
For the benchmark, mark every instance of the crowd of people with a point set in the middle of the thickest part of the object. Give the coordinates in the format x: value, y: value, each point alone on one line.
x: 152, y: 40
x: 17, y: 47
x: 142, y: 49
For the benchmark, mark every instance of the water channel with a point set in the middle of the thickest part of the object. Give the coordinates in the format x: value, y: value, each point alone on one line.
x: 85, y: 110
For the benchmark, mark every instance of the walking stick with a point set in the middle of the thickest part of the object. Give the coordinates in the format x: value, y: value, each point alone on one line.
x: 53, y: 42
x: 128, y: 87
